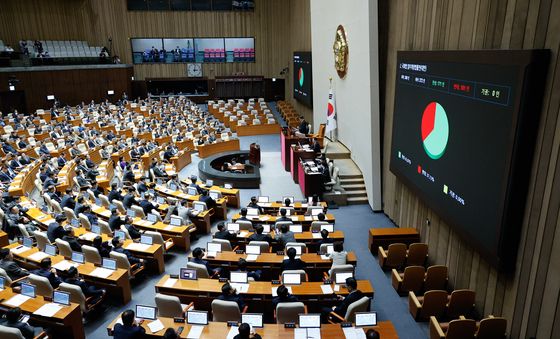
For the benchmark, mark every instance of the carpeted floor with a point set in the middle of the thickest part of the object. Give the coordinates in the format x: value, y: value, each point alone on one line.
x: 275, y: 183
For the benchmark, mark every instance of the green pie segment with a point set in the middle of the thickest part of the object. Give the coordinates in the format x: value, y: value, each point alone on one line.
x: 435, y: 142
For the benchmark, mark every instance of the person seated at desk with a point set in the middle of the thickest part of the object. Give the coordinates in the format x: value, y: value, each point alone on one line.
x: 115, y: 221
x: 303, y: 127
x: 8, y: 264
x: 55, y: 229
x: 12, y: 320
x: 102, y: 247
x: 197, y: 255
x: 129, y: 329
x: 325, y: 238
x: 147, y: 205
x: 230, y: 294
x: 285, y: 236
x: 259, y: 236
x: 115, y: 193
x: 283, y: 296
x: 173, y: 180
x: 354, y: 294
x: 243, y: 214
x: 168, y: 154
x: 45, y: 270
x: 246, y: 333
x: 72, y: 240
x: 205, y: 198
x: 92, y: 218
x: 68, y: 200
x: 223, y: 233
x: 128, y: 175
x: 339, y: 255
x: 242, y: 266
x: 158, y: 169
x: 194, y: 184
x: 96, y: 189
x: 292, y: 263
x: 254, y: 204
x: 283, y: 216
x: 80, y: 205
x: 88, y: 290
x: 117, y: 247
x: 130, y: 199
x: 134, y: 233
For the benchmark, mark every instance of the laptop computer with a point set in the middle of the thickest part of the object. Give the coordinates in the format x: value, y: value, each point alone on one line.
x: 27, y: 242
x: 110, y: 264
x: 253, y: 212
x: 316, y: 211
x: 213, y: 247
x: 266, y: 228
x: 28, y: 290
x: 253, y: 249
x: 78, y: 257
x: 263, y: 199
x: 152, y: 217
x: 62, y: 298
x: 50, y: 249
x: 291, y: 279
x: 296, y: 228
x: 228, y: 186
x: 160, y: 200
x: 199, y: 207
x: 187, y: 273
x: 232, y: 227
x: 197, y: 317
x: 120, y: 234
x: 255, y: 320
x: 146, y: 312
x: 328, y: 227
x: 329, y: 248
x: 238, y: 277
x: 75, y: 223
x: 215, y: 195
x: 209, y: 183
x: 146, y: 240
x: 365, y: 319
x: 192, y: 191
x: 172, y: 187
x: 176, y: 221
x: 95, y: 229
x: 131, y: 213
x: 340, y: 278
x: 310, y: 320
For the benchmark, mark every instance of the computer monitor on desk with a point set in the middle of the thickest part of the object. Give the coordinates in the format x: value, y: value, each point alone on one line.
x: 197, y: 317
x: 110, y: 264
x: 309, y: 320
x: 263, y: 199
x: 340, y: 278
x: 238, y: 277
x: 28, y: 290
x: 187, y: 273
x: 366, y: 319
x: 146, y: 312
x: 62, y: 298
x: 255, y: 320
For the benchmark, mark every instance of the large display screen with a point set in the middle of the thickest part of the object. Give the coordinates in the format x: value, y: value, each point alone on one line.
x: 464, y: 126
x: 174, y: 50
x: 303, y: 79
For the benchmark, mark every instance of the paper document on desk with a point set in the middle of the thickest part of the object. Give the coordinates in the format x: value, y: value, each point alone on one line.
x: 48, y: 310
x: 354, y: 333
x: 241, y: 288
x: 101, y: 272
x: 252, y: 257
x: 19, y: 249
x: 233, y: 331
x: 64, y: 265
x: 169, y: 228
x: 327, y: 289
x: 169, y: 282
x: 16, y: 300
x: 137, y: 247
x: 156, y: 326
x: 38, y: 256
x: 195, y: 332
x: 337, y: 288
x: 314, y: 333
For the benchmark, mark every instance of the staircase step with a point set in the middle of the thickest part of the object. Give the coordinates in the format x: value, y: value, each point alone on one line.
x: 356, y: 201
x: 360, y: 193
x: 350, y: 176
x: 355, y: 187
x: 351, y: 181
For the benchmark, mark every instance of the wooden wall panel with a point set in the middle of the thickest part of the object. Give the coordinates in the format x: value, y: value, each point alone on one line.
x: 530, y: 297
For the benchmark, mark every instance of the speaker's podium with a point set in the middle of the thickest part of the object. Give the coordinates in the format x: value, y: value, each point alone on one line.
x: 287, y: 138
x: 255, y: 154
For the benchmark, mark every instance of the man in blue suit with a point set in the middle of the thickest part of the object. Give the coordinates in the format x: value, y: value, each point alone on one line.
x: 45, y: 270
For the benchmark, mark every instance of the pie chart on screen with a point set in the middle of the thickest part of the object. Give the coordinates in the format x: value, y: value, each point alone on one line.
x: 435, y: 130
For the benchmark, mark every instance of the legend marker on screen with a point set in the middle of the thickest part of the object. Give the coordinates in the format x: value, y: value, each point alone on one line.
x: 399, y: 154
x: 445, y: 189
x: 419, y: 169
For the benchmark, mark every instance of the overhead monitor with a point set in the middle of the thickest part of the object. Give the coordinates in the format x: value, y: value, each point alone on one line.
x: 303, y: 78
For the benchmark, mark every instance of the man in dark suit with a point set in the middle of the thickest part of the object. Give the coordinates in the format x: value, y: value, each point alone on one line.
x: 325, y: 238
x: 283, y: 296
x: 243, y: 214
x: 129, y: 199
x: 285, y: 236
x: 128, y: 175
x: 68, y: 200
x: 7, y: 148
x: 197, y: 256
x: 147, y: 205
x: 283, y: 216
x: 259, y: 236
x: 115, y: 193
x: 55, y: 229
x: 53, y: 194
x: 253, y: 204
x: 49, y: 181
x: 12, y: 320
x: 194, y: 184
x: 303, y: 126
x: 117, y: 247
x: 205, y: 198
x: 88, y: 290
x: 115, y: 221
x: 223, y: 233
x: 354, y: 294
x: 45, y: 270
x: 129, y: 329
x: 230, y: 294
x: 11, y: 268
x: 292, y: 263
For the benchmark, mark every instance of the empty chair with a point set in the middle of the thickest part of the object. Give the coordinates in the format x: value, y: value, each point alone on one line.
x: 417, y: 254
x: 289, y: 312
x: 436, y: 278
x: 139, y: 212
x: 433, y: 303
x: 77, y: 296
x: 84, y: 221
x: 170, y: 306
x: 394, y: 257
x: 245, y: 225
x: 158, y: 239
x: 224, y: 311
x: 122, y: 262
x: 265, y: 246
x: 42, y: 285
x: 302, y: 274
x: 492, y: 328
x: 361, y: 305
x: 461, y: 302
x: 411, y: 280
x: 226, y: 245
x: 64, y: 248
x: 42, y: 239
x: 91, y: 254
x: 456, y: 329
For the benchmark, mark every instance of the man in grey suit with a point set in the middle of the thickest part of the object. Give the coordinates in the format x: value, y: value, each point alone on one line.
x: 285, y: 236
x: 11, y: 268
